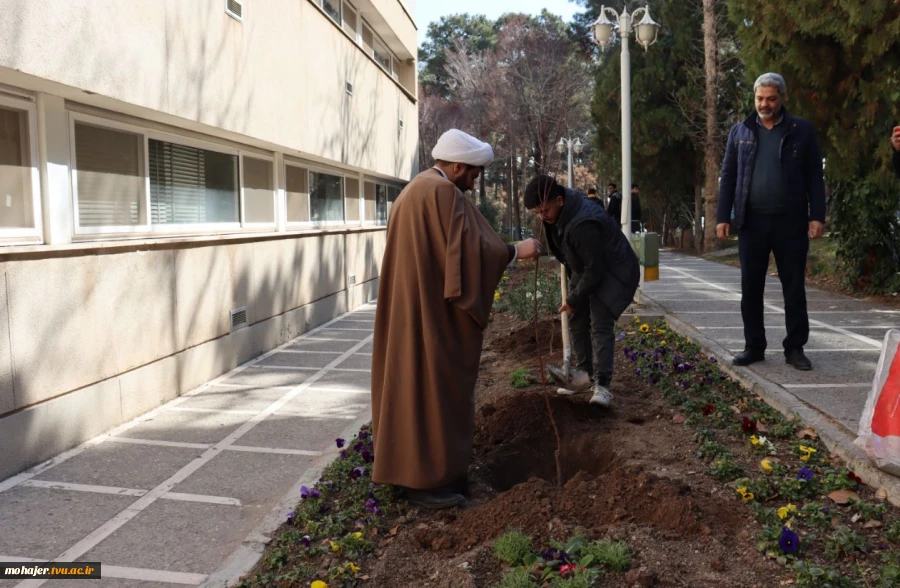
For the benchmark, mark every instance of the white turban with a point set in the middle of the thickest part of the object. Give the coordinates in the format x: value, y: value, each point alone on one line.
x: 455, y: 146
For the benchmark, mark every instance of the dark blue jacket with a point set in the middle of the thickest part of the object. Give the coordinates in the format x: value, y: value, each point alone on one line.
x: 801, y: 164
x: 596, y: 254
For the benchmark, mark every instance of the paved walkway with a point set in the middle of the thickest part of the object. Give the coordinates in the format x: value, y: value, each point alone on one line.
x: 187, y: 494
x: 845, y: 333
x: 702, y: 300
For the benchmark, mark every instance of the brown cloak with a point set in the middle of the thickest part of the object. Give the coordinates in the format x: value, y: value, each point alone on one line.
x: 441, y: 266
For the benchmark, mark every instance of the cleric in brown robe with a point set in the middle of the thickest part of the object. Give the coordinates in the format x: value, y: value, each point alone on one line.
x: 442, y: 263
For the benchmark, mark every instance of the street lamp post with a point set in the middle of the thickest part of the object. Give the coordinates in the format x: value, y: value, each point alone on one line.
x: 646, y: 35
x: 573, y: 147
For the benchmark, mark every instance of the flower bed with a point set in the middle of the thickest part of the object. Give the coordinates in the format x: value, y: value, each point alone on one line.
x: 689, y: 481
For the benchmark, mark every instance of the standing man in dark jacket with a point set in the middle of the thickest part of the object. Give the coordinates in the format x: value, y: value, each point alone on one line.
x: 635, y: 209
x: 772, y: 178
x: 895, y: 143
x: 614, y: 206
x: 603, y: 274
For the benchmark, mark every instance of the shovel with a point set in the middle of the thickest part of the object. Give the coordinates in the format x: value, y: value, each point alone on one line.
x: 571, y: 379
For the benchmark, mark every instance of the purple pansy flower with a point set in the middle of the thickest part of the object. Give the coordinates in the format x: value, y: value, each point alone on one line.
x: 713, y: 359
x: 356, y: 472
x: 343, y: 454
x: 805, y: 474
x: 621, y: 336
x: 306, y: 541
x: 367, y: 456
x: 313, y: 493
x: 339, y: 442
x: 627, y: 351
x: 363, y: 434
x: 304, y: 492
x: 371, y: 504
x: 556, y: 555
x: 358, y: 446
x: 789, y: 542
x: 639, y: 372
x: 290, y: 517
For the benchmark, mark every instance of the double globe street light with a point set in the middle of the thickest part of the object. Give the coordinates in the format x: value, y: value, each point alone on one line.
x: 646, y: 34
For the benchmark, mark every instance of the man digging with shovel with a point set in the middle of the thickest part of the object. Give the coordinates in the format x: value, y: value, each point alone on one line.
x: 603, y: 274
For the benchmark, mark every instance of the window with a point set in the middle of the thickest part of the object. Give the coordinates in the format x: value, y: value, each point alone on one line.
x: 369, y: 206
x: 108, y: 177
x: 19, y: 180
x: 382, y: 55
x: 381, y: 192
x: 297, y: 188
x: 350, y: 19
x: 326, y: 197
x: 333, y: 9
x: 368, y: 39
x: 259, y: 191
x: 191, y: 186
x: 351, y: 196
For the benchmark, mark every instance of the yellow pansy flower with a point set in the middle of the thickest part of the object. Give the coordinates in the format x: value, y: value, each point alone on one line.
x: 645, y: 328
x: 334, y: 546
x: 754, y: 440
x: 353, y: 567
x: 785, y: 511
x: 766, y: 465
x: 496, y: 295
x: 357, y: 535
x: 318, y: 584
x: 807, y: 452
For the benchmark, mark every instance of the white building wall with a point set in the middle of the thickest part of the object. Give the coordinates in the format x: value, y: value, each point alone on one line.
x: 97, y: 329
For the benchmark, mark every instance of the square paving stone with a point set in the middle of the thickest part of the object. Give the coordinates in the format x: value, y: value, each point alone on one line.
x: 321, y: 344
x: 42, y: 523
x: 227, y: 398
x: 187, y: 427
x: 328, y: 403
x: 177, y: 536
x: 268, y: 377
x: 355, y: 323
x: 305, y: 360
x: 844, y: 404
x: 122, y: 465
x: 357, y: 362
x: 832, y: 368
x: 356, y: 335
x: 353, y: 381
x: 285, y: 431
x: 253, y: 478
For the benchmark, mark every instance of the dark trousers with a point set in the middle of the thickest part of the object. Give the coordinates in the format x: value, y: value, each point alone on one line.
x: 787, y: 237
x: 592, y: 329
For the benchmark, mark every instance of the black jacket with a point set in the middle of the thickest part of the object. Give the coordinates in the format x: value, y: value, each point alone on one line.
x: 801, y: 164
x: 614, y: 207
x: 897, y: 163
x: 596, y: 254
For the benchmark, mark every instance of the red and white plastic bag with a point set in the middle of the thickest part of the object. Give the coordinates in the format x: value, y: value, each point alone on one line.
x: 879, y: 428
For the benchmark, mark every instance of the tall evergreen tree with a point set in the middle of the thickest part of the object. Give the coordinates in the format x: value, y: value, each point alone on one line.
x: 841, y: 61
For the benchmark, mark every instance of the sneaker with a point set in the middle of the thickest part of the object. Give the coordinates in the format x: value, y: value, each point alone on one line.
x: 602, y: 396
x: 576, y: 380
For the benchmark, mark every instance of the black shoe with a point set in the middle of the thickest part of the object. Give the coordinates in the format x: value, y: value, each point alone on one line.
x: 748, y: 355
x: 434, y: 499
x: 796, y: 358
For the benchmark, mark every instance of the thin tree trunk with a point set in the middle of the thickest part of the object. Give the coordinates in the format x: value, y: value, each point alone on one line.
x: 515, y: 197
x: 481, y: 200
x: 712, y: 148
x: 698, y: 213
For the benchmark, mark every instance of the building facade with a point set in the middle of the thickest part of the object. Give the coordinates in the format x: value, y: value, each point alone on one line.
x: 183, y: 186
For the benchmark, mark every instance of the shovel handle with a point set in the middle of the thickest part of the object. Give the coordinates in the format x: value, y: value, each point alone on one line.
x: 567, y: 343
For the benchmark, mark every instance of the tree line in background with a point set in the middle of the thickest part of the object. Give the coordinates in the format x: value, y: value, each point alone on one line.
x: 523, y: 82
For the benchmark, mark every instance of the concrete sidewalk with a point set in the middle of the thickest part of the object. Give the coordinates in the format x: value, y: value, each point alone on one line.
x: 701, y: 299
x: 187, y: 494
